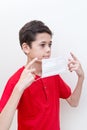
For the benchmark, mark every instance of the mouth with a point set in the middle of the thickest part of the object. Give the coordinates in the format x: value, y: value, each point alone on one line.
x: 46, y: 57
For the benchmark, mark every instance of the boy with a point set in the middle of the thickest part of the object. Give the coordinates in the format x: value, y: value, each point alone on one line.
x: 37, y: 101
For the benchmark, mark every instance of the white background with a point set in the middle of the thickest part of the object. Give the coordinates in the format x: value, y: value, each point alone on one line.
x: 68, y: 21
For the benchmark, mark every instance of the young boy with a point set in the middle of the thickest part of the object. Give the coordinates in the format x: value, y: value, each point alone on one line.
x: 37, y: 101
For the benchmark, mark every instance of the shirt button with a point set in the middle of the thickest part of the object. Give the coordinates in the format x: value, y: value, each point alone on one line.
x: 45, y: 87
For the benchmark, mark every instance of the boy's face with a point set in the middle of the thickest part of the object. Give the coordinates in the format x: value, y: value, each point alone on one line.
x: 41, y: 47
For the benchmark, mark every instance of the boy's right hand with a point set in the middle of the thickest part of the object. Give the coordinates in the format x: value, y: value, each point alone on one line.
x: 27, y: 76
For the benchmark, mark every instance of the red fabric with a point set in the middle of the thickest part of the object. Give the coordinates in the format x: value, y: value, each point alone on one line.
x: 39, y: 105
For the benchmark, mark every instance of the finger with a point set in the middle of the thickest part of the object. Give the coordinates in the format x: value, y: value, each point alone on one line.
x: 32, y: 70
x: 31, y: 63
x: 72, y: 62
x: 73, y: 69
x: 73, y: 56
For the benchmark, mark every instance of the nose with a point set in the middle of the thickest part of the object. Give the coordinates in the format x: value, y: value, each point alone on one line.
x: 48, y: 49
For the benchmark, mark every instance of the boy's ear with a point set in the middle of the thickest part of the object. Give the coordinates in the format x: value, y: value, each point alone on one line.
x: 25, y: 48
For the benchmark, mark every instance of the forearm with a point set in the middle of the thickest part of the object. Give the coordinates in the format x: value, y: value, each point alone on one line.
x: 73, y: 100
x: 7, y: 114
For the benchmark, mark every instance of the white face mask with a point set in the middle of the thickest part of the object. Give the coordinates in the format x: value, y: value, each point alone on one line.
x: 53, y: 66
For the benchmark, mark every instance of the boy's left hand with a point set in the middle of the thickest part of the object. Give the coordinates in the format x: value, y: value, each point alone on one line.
x: 74, y: 65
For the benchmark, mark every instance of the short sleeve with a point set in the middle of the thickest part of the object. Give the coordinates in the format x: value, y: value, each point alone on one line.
x: 63, y: 88
x: 6, y: 94
x: 9, y: 88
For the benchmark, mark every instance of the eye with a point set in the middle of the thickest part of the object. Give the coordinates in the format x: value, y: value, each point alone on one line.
x: 50, y: 44
x: 42, y: 45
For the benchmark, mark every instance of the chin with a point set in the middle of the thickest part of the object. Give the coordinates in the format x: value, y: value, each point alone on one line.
x: 39, y: 60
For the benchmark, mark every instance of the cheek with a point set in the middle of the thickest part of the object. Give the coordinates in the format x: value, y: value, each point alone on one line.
x: 38, y: 54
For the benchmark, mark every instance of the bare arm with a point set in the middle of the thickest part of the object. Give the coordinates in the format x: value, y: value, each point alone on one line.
x: 74, y: 65
x: 7, y: 114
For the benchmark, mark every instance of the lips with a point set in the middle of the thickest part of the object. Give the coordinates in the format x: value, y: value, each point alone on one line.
x: 46, y: 57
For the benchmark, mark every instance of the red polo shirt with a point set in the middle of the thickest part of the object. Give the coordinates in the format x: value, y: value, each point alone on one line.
x: 39, y: 106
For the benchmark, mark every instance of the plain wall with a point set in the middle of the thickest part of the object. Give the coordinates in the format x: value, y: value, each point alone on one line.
x: 68, y: 20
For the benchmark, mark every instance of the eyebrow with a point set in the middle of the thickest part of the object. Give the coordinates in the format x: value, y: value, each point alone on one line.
x: 45, y: 41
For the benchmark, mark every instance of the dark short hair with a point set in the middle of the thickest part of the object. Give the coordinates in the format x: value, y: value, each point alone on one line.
x: 28, y: 32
